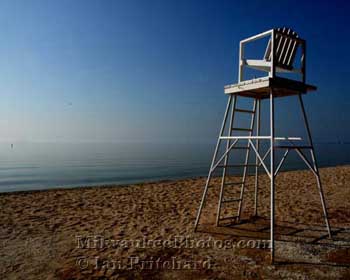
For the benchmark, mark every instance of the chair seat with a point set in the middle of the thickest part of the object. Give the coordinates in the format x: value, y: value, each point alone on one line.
x: 264, y: 65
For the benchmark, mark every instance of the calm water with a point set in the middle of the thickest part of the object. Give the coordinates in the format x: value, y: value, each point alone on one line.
x: 44, y: 166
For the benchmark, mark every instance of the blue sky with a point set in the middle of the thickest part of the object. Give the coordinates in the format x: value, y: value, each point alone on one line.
x: 155, y: 70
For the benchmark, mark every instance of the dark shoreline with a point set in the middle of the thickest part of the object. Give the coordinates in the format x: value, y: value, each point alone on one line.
x: 124, y: 185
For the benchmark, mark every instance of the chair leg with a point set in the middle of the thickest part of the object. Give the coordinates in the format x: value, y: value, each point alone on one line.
x: 315, y: 167
x: 256, y: 185
x: 320, y: 190
x: 272, y: 178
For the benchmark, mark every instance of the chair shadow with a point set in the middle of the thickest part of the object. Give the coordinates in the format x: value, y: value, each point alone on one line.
x: 289, y: 232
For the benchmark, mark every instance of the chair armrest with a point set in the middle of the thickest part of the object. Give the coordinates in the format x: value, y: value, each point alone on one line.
x: 256, y: 37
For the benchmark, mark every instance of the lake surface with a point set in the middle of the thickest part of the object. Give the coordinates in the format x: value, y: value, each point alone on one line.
x: 33, y: 166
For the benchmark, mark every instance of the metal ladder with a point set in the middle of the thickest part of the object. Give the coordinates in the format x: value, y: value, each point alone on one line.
x: 225, y: 186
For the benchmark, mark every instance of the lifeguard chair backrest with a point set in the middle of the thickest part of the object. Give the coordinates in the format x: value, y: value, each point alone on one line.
x: 286, y: 48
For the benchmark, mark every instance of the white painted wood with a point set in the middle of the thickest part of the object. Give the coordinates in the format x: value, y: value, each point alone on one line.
x: 247, y: 85
x: 261, y: 85
x: 286, y: 43
x: 258, y: 36
x: 257, y: 62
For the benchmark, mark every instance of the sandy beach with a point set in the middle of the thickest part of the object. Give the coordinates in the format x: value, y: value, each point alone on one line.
x: 145, y: 231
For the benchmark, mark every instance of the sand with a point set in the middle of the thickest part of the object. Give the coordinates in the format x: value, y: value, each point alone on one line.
x: 145, y: 231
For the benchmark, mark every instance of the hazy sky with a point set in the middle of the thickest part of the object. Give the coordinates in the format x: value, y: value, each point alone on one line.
x: 155, y: 70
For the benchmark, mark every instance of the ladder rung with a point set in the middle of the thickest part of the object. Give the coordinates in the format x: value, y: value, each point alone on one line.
x: 241, y: 129
x: 231, y: 200
x: 244, y: 111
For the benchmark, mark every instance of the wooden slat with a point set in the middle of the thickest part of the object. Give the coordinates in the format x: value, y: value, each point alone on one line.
x: 284, y: 45
x: 280, y: 42
x: 286, y: 48
x: 290, y: 51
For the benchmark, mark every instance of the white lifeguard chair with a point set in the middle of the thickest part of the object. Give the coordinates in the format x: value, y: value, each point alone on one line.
x: 280, y: 57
